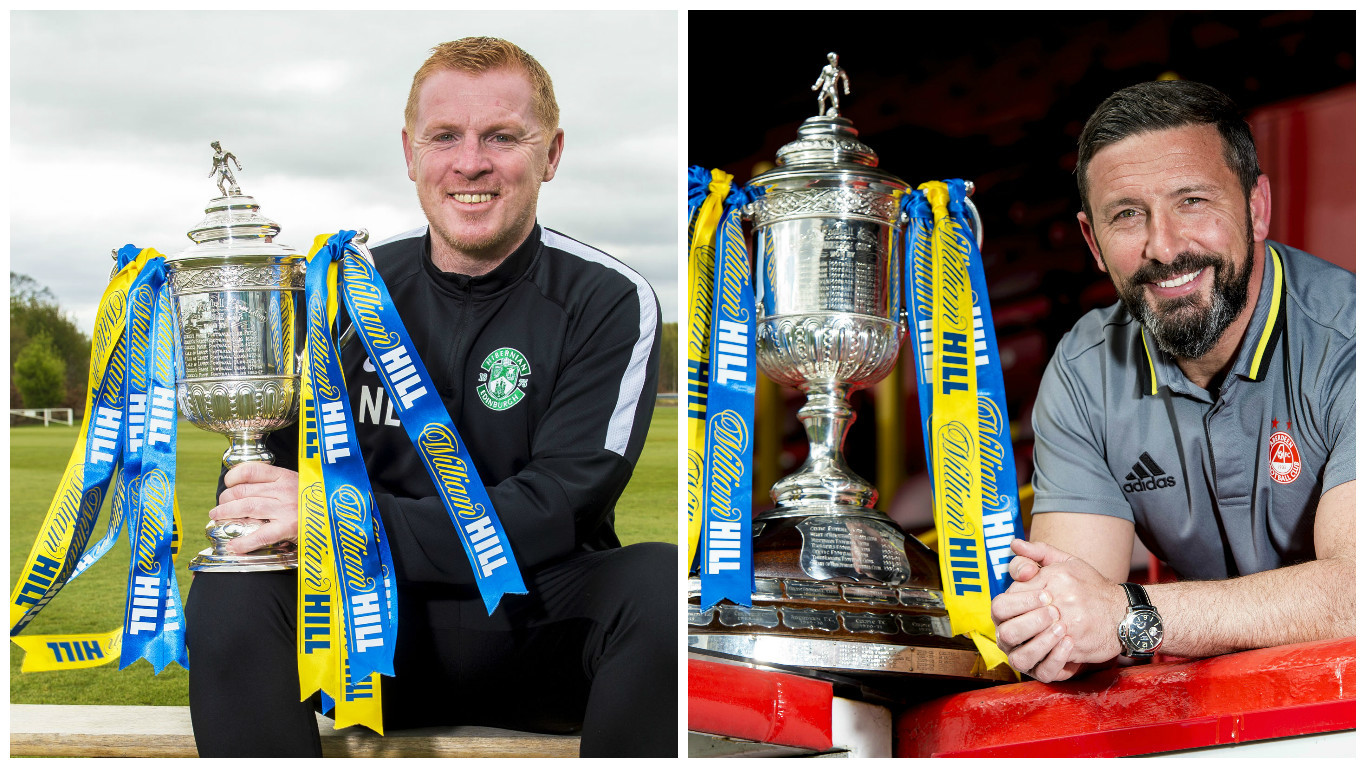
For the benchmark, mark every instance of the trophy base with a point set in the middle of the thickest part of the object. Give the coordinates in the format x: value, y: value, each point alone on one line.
x: 271, y: 559
x: 852, y: 658
x: 840, y: 589
x: 281, y: 556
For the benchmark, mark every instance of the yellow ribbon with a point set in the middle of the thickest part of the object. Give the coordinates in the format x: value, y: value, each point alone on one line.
x: 359, y: 704
x: 48, y: 653
x: 955, y: 436
x: 701, y: 272
x: 320, y: 634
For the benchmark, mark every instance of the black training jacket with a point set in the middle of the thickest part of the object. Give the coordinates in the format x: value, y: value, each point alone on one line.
x: 554, y: 449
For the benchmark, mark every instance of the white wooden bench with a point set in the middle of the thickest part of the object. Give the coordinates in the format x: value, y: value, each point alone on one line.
x: 51, y: 730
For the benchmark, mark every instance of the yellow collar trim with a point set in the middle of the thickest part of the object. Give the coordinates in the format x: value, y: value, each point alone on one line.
x: 1264, y: 343
x: 1152, y: 369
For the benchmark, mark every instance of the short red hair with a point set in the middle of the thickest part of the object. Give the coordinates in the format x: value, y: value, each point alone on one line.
x: 485, y: 54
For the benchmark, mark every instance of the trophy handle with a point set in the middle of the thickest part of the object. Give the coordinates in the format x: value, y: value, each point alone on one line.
x: 359, y: 242
x: 974, y: 217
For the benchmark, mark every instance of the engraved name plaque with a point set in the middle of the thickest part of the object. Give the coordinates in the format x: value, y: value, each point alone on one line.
x: 801, y: 618
x: 853, y: 548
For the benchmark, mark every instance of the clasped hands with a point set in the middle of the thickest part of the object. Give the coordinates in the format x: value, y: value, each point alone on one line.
x: 259, y: 493
x: 1058, y: 615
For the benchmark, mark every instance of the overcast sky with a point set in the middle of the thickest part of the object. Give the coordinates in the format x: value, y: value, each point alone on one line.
x: 111, y: 115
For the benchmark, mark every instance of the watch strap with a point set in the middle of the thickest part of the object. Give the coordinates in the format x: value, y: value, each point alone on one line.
x: 1138, y: 596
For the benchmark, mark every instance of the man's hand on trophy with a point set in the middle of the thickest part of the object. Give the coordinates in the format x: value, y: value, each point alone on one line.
x: 260, y: 493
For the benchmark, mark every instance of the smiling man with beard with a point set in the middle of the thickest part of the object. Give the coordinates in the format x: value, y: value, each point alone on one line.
x: 1212, y: 410
x: 1183, y: 326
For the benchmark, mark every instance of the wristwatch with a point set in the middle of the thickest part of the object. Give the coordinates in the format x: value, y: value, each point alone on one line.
x: 1140, y: 633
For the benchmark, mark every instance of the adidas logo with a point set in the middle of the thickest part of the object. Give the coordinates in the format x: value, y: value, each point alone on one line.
x: 1147, y: 476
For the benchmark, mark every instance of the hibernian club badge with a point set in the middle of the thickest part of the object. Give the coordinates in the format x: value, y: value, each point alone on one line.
x: 503, y: 378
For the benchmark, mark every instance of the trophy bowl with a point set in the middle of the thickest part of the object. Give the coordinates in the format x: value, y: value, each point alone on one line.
x: 839, y: 588
x: 826, y: 355
x: 237, y: 298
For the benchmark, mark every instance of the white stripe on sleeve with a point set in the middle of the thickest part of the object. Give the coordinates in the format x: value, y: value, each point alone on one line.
x: 628, y: 397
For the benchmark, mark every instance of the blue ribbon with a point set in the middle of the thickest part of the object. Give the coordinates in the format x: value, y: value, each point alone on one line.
x: 429, y: 427
x: 103, y: 449
x: 154, y: 626
x: 698, y: 180
x: 727, y: 565
x: 140, y: 301
x: 369, y: 614
x: 919, y: 265
x: 1000, y: 496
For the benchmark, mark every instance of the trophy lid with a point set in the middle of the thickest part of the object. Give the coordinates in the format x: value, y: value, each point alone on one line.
x: 233, y: 217
x: 233, y: 229
x: 825, y: 141
x: 827, y: 146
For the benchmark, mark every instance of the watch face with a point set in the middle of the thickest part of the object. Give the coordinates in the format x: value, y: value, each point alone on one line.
x: 1142, y: 631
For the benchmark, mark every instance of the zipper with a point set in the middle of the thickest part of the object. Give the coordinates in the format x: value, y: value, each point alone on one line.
x: 461, y: 353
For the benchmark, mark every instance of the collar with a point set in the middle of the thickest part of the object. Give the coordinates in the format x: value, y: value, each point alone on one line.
x: 506, y: 274
x: 1156, y: 369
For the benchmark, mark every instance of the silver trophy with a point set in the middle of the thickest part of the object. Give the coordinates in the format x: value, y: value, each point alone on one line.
x: 238, y: 301
x: 839, y: 587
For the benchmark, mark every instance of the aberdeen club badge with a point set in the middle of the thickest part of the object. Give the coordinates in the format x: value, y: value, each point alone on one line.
x: 1284, y: 458
x: 504, y: 376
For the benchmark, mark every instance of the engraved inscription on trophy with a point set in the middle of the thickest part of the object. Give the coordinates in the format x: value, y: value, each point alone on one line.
x: 698, y: 617
x: 809, y: 618
x: 866, y: 265
x: 812, y: 590
x: 874, y: 595
x: 870, y: 622
x: 768, y: 589
x: 921, y: 598
x: 939, y: 626
x: 869, y: 656
x: 741, y: 616
x: 916, y: 625
x: 219, y: 333
x: 837, y: 267
x: 848, y: 265
x: 853, y: 548
x: 942, y: 626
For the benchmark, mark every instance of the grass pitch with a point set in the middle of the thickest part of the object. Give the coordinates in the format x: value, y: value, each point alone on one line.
x: 93, y: 602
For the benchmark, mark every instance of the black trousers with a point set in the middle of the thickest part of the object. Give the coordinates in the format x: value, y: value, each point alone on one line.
x: 592, y: 647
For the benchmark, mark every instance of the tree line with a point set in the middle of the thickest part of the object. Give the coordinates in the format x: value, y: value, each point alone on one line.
x: 668, y: 358
x: 49, y: 356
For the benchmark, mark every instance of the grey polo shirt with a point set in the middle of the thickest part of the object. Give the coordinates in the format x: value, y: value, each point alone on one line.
x: 1216, y: 485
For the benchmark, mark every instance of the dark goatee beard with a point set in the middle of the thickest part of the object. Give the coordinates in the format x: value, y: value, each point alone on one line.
x: 1183, y: 327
